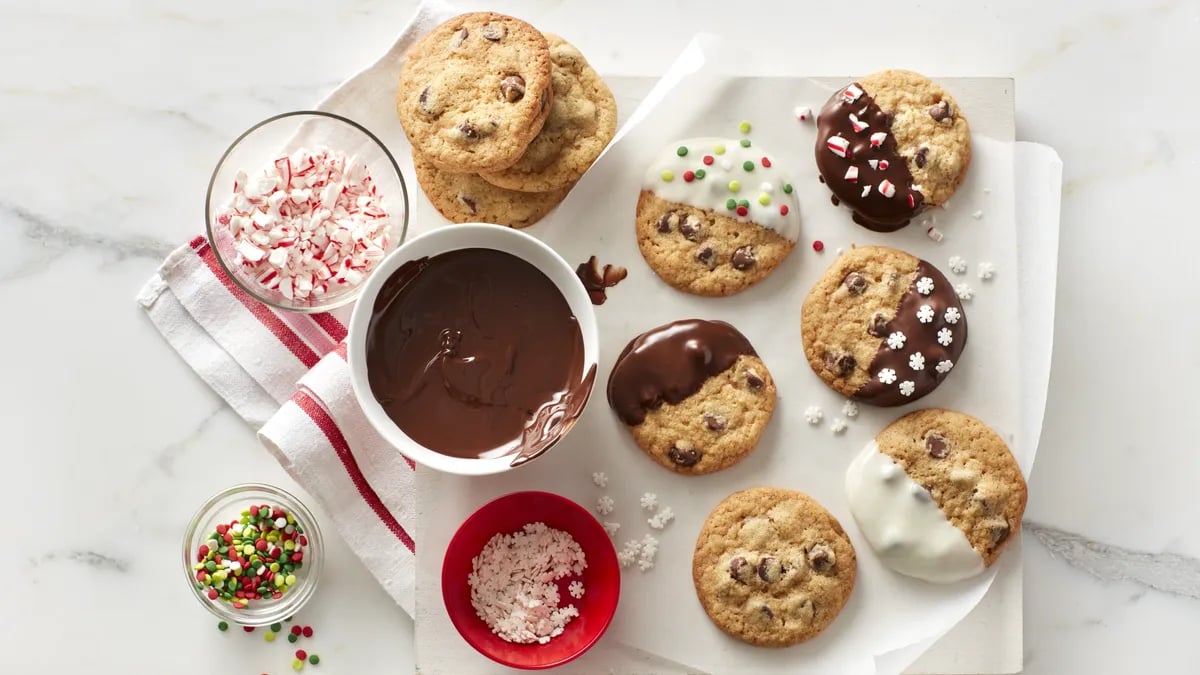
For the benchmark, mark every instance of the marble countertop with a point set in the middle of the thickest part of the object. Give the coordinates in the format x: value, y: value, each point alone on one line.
x: 114, y: 113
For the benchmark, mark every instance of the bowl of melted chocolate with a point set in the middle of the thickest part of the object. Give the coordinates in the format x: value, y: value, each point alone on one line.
x: 473, y: 349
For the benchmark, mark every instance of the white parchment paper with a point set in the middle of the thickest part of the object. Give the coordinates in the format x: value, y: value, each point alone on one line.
x: 704, y: 94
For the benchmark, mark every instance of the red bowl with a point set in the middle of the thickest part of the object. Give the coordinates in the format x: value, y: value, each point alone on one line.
x: 601, y: 579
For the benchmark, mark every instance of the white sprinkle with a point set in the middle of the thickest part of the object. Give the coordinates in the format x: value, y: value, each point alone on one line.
x: 986, y: 270
x: 850, y: 409
x: 952, y: 315
x: 600, y: 479
x: 604, y: 505
x: 649, y: 550
x: 925, y: 314
x: 838, y: 425
x: 916, y: 361
x: 813, y: 414
x: 977, y: 215
x: 944, y: 366
x: 726, y: 164
x: 767, y: 188
x: 896, y: 340
x: 907, y: 387
x: 945, y: 337
x: 887, y: 376
x: 963, y: 291
x: 611, y: 528
x: 662, y: 518
x: 958, y: 264
x: 987, y: 191
x: 866, y: 190
x: 924, y: 285
x: 629, y: 553
x: 649, y: 501
x: 576, y: 589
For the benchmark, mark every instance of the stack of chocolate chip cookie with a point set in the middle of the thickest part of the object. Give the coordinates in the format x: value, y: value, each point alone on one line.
x: 503, y: 119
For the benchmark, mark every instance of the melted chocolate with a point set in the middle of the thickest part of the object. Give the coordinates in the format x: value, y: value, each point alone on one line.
x: 670, y: 363
x: 475, y: 353
x: 596, y: 280
x: 919, y: 338
x: 873, y: 210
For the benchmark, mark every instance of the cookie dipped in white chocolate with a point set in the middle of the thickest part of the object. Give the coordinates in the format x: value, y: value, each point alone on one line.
x: 723, y: 176
x: 902, y: 523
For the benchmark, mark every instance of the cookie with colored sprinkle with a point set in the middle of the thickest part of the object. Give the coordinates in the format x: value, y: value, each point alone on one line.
x: 891, y: 145
x: 716, y: 215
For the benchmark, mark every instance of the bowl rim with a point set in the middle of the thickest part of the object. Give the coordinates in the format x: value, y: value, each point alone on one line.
x: 350, y: 296
x: 458, y: 237
x: 611, y: 559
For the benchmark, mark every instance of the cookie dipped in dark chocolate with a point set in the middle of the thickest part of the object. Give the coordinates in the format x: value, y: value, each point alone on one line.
x: 669, y: 363
x: 930, y: 328
x: 465, y: 348
x: 858, y: 157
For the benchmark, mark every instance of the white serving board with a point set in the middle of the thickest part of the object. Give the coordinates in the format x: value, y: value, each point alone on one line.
x: 600, y: 442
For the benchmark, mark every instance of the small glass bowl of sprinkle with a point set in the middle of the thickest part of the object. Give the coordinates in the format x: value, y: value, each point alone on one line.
x: 301, y: 208
x: 253, y: 554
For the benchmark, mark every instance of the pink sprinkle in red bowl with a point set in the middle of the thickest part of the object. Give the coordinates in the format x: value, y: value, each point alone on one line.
x: 601, y: 579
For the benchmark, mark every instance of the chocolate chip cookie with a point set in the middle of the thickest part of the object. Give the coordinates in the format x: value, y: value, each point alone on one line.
x: 937, y: 494
x: 475, y: 91
x: 694, y: 394
x: 715, y: 216
x: 890, y: 145
x: 467, y: 198
x: 882, y: 326
x: 772, y: 567
x: 583, y: 119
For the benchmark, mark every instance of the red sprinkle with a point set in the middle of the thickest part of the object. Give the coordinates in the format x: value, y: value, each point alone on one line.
x: 213, y: 594
x: 261, y: 544
x: 308, y: 631
x: 766, y: 163
x: 741, y: 210
x: 248, y: 629
x: 296, y: 630
x: 203, y: 550
x: 818, y: 246
x: 708, y: 160
x: 689, y: 176
x: 228, y: 538
x: 301, y: 654
x: 222, y: 528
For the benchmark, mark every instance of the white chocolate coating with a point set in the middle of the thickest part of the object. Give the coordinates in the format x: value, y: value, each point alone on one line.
x: 904, y: 526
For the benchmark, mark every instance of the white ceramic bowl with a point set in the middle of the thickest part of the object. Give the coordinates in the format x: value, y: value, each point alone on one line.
x: 443, y: 240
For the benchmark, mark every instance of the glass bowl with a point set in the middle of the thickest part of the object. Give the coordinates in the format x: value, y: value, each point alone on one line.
x: 257, y: 149
x: 228, y: 505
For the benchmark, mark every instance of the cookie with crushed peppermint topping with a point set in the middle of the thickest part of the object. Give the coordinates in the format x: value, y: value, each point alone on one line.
x: 882, y: 326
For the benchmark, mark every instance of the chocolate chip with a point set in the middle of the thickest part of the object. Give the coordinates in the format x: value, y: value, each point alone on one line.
x: 766, y: 612
x: 468, y: 130
x: 754, y: 381
x: 937, y: 446
x: 920, y: 157
x: 842, y: 363
x: 427, y: 101
x: 740, y: 570
x: 493, y: 32
x: 669, y: 220
x: 691, y: 228
x: 743, y: 258
x: 459, y: 38
x: 998, y: 531
x: 770, y: 569
x: 941, y: 111
x: 878, y: 326
x: 714, y: 422
x: 512, y: 88
x: 821, y: 558
x: 855, y: 283
x: 684, y: 454
x: 466, y: 202
x: 707, y: 256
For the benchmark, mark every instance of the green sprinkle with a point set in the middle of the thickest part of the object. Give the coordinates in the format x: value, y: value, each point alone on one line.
x: 700, y: 174
x: 668, y: 175
x: 222, y: 626
x: 681, y: 151
x: 748, y: 165
x: 745, y: 142
x: 744, y: 203
x: 297, y: 664
x: 314, y: 659
x: 289, y: 619
x: 744, y: 127
x: 277, y: 627
x: 764, y: 199
x: 787, y: 188
x: 720, y: 149
x: 269, y: 636
x: 210, y: 566
x: 731, y: 204
x: 292, y: 637
x: 264, y: 512
x: 734, y: 186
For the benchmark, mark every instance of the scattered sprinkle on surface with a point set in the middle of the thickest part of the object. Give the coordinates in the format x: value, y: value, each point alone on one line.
x: 604, y: 505
x: 850, y: 409
x: 649, y: 501
x: 600, y: 479
x: 813, y: 414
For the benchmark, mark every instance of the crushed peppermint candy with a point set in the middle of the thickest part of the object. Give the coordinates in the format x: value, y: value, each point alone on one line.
x: 309, y: 223
x: 813, y: 414
x: 838, y: 145
x: 659, y: 520
x: 850, y: 409
x: 576, y: 589
x: 986, y: 270
x: 513, y: 583
x: 803, y: 113
x: 600, y: 479
x: 605, y: 505
x: 851, y: 93
x: 935, y: 234
x: 649, y: 501
x: 877, y: 139
x: 958, y: 264
x: 838, y: 425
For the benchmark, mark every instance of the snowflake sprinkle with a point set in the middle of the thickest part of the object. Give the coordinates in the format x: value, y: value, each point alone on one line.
x: 850, y: 409
x: 986, y: 270
x: 604, y: 505
x: 944, y: 367
x: 952, y: 315
x: 958, y: 264
x: 916, y: 361
x: 887, y: 376
x: 575, y: 589
x: 659, y: 520
x: 649, y: 501
x: 964, y: 291
x: 925, y: 314
x: 896, y: 340
x: 611, y: 528
x: 945, y: 337
x: 907, y: 387
x: 925, y: 285
x: 813, y: 414
x: 838, y: 425
x: 600, y: 479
